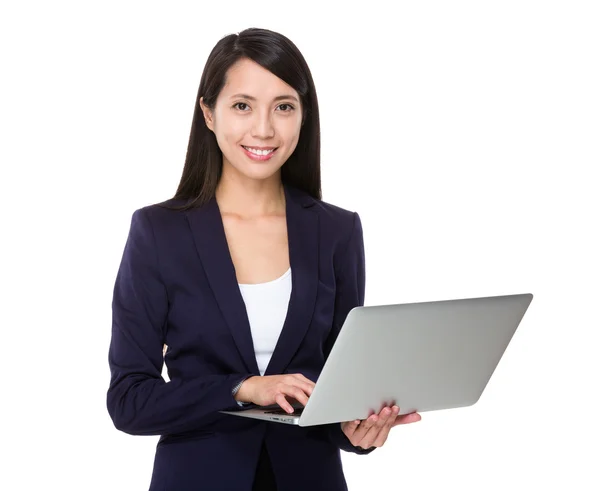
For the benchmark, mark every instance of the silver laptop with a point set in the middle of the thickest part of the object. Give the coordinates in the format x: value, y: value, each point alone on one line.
x: 422, y: 356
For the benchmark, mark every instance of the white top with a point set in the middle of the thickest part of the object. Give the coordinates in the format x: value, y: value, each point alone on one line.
x: 267, y: 306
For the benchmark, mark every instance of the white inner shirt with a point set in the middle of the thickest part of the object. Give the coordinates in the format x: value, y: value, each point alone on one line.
x: 267, y: 306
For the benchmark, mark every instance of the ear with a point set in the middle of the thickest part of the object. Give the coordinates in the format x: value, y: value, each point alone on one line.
x: 208, y: 116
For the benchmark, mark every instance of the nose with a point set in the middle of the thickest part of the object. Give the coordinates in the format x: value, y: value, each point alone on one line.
x: 263, y: 126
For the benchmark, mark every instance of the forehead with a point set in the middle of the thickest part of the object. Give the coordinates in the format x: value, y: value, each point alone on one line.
x: 248, y: 77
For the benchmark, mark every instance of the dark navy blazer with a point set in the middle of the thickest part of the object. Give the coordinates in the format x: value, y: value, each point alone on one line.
x: 176, y: 285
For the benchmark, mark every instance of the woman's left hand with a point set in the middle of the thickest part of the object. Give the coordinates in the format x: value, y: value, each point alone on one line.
x: 373, y: 431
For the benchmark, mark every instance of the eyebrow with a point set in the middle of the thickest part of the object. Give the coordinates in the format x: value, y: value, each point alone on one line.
x: 278, y: 98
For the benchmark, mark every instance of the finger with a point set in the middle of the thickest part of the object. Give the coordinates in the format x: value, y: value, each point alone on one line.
x: 297, y: 380
x: 306, y: 384
x: 380, y: 438
x: 283, y: 403
x: 305, y: 387
x: 407, y: 419
x: 394, y: 411
x: 363, y: 428
x: 294, y: 393
x: 349, y: 427
x: 373, y: 433
x: 308, y: 389
x: 304, y: 379
x: 292, y: 390
x: 384, y: 432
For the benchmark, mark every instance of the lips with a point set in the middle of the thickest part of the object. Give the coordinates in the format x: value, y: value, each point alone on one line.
x: 261, y: 155
x: 260, y: 149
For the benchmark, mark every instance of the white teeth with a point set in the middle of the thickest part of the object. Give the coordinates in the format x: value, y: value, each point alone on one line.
x: 259, y: 152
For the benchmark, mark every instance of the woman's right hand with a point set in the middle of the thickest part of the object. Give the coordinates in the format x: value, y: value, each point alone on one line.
x: 273, y: 389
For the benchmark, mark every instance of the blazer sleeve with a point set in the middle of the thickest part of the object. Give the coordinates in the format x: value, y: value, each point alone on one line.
x: 139, y: 400
x: 350, y: 293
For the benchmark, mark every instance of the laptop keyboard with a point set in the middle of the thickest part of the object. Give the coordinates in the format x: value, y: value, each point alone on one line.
x: 297, y: 412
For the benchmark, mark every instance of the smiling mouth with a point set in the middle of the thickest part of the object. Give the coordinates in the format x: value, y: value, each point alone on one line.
x: 260, y: 153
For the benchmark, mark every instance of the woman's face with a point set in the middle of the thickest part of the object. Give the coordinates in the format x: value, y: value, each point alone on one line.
x: 256, y: 120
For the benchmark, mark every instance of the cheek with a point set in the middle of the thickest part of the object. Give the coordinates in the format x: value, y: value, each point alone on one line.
x: 291, y: 132
x: 228, y: 143
x: 229, y: 130
x: 233, y: 132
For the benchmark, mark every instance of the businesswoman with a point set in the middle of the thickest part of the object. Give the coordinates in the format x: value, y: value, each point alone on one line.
x: 247, y: 276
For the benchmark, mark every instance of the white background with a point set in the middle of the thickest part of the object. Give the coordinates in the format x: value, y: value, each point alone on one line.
x: 465, y: 133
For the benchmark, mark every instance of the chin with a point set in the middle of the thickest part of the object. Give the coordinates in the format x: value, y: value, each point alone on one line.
x: 259, y: 171
x: 260, y: 174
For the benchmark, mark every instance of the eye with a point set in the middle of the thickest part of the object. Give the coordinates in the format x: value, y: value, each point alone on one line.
x: 291, y: 108
x: 240, y: 104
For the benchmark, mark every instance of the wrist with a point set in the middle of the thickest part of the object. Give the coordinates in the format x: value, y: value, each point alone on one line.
x: 241, y: 392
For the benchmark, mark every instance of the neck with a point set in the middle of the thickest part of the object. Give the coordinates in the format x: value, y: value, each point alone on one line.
x: 250, y: 198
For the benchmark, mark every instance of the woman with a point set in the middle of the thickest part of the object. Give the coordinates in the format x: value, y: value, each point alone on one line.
x: 247, y: 276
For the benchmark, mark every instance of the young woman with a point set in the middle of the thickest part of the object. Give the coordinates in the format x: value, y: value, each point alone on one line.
x: 247, y: 276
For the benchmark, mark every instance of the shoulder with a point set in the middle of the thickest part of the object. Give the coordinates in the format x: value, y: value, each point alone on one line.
x: 342, y: 222
x: 337, y: 221
x: 159, y: 215
x: 340, y: 232
x: 329, y: 211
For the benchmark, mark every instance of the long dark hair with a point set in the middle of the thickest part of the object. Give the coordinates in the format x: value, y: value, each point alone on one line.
x: 204, y: 159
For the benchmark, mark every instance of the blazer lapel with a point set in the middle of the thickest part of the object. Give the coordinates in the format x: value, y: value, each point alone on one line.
x: 303, y: 243
x: 209, y: 235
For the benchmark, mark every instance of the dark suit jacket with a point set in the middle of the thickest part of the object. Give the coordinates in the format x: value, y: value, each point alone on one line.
x: 176, y: 285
